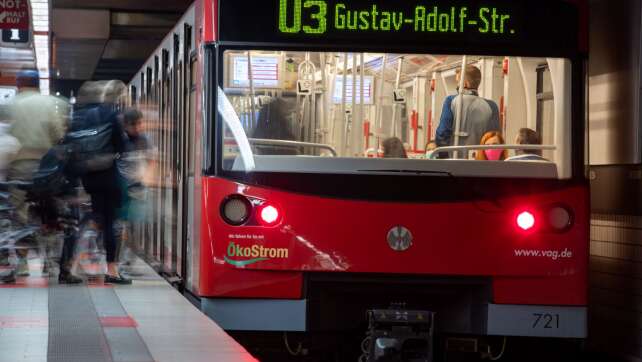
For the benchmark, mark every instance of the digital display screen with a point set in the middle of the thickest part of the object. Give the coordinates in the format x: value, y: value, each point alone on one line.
x: 265, y: 71
x: 321, y: 17
x: 470, y: 26
x: 367, y: 89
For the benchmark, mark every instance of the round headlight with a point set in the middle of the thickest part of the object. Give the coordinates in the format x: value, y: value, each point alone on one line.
x: 560, y: 218
x: 235, y: 210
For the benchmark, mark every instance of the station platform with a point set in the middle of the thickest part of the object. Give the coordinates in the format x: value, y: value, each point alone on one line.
x: 147, y: 321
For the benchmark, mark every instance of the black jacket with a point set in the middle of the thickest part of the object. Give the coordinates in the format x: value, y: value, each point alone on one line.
x: 93, y: 115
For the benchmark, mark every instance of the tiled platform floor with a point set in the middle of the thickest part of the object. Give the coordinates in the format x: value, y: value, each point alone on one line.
x: 146, y: 319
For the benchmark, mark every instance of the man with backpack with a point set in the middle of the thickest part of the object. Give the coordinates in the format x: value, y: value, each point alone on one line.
x: 97, y: 139
x: 478, y: 115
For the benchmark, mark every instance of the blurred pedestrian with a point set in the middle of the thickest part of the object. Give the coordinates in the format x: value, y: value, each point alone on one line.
x: 9, y: 147
x: 131, y: 167
x: 38, y: 123
x: 94, y: 160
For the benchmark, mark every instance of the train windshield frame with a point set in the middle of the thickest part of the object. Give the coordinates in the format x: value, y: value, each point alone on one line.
x: 274, y: 138
x: 288, y: 40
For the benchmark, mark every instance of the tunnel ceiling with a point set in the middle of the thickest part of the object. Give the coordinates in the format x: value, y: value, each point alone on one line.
x: 108, y: 39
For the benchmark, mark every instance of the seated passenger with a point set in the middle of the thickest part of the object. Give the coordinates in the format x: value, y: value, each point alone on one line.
x: 527, y: 136
x: 492, y: 138
x: 430, y: 148
x: 274, y: 124
x: 393, y: 148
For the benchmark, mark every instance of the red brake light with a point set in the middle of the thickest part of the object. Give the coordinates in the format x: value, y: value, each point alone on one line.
x: 525, y: 220
x: 269, y: 214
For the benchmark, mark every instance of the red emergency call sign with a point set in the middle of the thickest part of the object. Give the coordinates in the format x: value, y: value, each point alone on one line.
x: 14, y: 14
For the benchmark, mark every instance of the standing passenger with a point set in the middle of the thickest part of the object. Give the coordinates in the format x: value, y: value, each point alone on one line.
x: 97, y: 108
x: 479, y: 115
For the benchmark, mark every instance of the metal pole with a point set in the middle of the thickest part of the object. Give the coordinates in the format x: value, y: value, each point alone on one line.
x: 353, y: 100
x: 310, y: 124
x: 343, y: 100
x: 433, y: 104
x: 331, y: 115
x: 506, y: 72
x: 313, y: 109
x: 321, y: 125
x: 379, y: 108
x: 361, y: 97
x: 394, y: 105
x: 460, y: 105
x: 251, y: 80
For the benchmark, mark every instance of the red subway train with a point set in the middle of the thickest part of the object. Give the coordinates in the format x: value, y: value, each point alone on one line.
x: 278, y: 204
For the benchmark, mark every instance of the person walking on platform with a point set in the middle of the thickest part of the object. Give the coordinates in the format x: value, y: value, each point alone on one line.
x: 131, y: 166
x: 9, y: 147
x: 96, y: 122
x: 38, y: 123
x: 68, y: 217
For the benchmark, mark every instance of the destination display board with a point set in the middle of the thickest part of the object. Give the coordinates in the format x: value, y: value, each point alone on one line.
x: 401, y: 22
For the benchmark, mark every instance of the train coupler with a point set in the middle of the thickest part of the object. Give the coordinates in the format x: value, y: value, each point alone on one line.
x: 398, y: 335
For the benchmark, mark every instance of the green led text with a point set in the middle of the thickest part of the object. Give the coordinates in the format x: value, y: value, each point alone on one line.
x: 315, y: 16
x: 283, y: 17
x: 319, y: 16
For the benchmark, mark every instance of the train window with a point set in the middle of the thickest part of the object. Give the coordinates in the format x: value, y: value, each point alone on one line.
x: 148, y: 80
x: 142, y: 85
x: 290, y: 111
x: 133, y: 96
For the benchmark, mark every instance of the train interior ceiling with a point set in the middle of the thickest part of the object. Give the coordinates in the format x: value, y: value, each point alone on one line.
x: 301, y: 104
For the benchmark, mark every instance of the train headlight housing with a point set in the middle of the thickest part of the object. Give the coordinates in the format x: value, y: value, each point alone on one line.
x: 560, y: 218
x: 236, y: 210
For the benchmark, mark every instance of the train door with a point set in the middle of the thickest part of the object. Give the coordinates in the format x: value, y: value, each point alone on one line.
x: 186, y: 185
x: 183, y: 87
x: 151, y: 241
x: 167, y: 214
x: 158, y: 200
x: 190, y: 243
x: 177, y: 144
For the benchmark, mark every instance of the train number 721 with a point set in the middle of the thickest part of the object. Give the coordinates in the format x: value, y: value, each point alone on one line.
x: 546, y: 320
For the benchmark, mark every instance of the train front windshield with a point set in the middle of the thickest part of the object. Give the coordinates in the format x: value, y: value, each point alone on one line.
x: 336, y: 112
